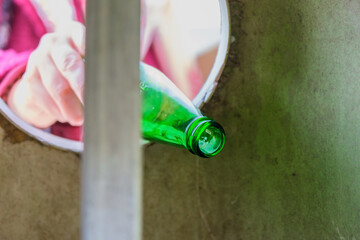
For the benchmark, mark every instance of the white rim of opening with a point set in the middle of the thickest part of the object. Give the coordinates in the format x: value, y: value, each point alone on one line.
x: 211, y: 82
x: 202, y: 97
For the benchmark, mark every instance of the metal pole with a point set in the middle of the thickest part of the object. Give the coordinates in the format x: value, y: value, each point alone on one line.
x: 111, y: 164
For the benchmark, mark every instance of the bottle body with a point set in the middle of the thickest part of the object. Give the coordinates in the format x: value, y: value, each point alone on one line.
x: 168, y: 116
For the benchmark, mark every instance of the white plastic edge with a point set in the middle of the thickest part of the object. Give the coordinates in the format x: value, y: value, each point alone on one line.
x: 208, y: 88
x: 202, y: 97
x: 42, y: 136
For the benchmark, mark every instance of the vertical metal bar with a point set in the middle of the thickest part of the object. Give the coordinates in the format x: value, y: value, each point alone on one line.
x: 111, y: 165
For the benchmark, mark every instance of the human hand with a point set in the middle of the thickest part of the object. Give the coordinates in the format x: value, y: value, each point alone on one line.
x: 51, y: 88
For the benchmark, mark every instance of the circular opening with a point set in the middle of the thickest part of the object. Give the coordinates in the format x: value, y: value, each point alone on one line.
x: 205, y: 137
x: 210, y: 73
x: 211, y: 141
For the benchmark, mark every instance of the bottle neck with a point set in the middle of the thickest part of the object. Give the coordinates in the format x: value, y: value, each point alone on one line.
x: 204, y: 137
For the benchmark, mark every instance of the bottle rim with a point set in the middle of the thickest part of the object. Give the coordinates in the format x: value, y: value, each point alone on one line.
x: 194, y: 132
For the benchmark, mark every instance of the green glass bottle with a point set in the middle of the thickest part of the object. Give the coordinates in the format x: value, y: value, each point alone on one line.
x: 170, y: 117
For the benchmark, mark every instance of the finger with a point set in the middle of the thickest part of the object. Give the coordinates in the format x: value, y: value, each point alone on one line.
x: 41, y: 97
x: 71, y: 66
x: 61, y: 92
x: 35, y: 93
x: 21, y: 103
x: 75, y: 33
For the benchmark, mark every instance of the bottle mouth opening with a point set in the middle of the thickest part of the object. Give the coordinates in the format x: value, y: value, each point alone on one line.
x: 206, y: 137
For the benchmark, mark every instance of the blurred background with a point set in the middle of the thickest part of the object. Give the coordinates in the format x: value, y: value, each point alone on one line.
x: 181, y: 38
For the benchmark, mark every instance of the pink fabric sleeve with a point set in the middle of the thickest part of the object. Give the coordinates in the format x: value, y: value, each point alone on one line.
x: 26, y: 31
x: 12, y: 65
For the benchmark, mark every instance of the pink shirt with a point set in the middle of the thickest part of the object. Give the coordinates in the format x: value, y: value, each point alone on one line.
x: 26, y: 30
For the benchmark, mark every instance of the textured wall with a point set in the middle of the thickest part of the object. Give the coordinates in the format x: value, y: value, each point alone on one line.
x: 289, y: 102
x: 39, y: 189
